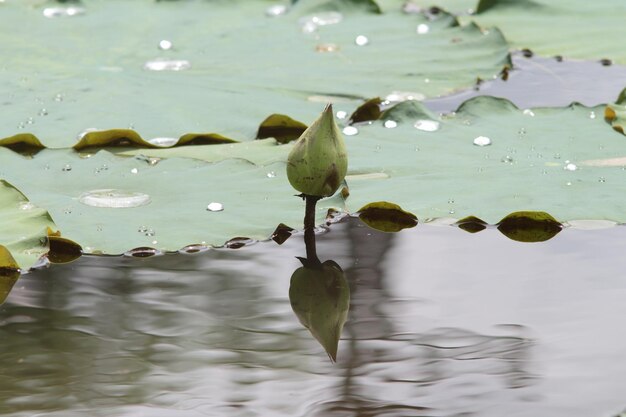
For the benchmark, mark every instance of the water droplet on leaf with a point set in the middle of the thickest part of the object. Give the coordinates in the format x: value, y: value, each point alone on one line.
x: 427, y: 125
x: 111, y: 198
x: 276, y: 10
x: 350, y: 131
x: 570, y: 166
x: 361, y: 40
x: 422, y: 29
x: 167, y: 65
x: 66, y: 167
x: 390, y: 124
x: 215, y: 207
x: 165, y: 45
x: 482, y: 141
x: 52, y: 12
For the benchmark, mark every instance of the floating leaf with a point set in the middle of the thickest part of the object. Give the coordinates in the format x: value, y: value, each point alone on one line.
x: 9, y: 273
x: 530, y: 159
x: 615, y: 114
x: 280, y: 127
x: 370, y: 110
x: 243, y: 68
x: 128, y: 137
x: 386, y: 217
x: 282, y: 233
x: 529, y: 226
x: 110, y: 204
x: 471, y: 224
x: 63, y: 250
x: 23, y: 225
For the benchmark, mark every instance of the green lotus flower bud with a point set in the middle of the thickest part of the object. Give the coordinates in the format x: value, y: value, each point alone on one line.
x: 320, y: 297
x: 318, y: 162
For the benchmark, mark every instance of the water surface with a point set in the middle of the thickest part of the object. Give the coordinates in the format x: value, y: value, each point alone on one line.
x: 442, y: 323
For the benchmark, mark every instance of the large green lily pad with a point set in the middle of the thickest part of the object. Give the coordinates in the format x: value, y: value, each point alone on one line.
x: 63, y: 75
x: 539, y: 159
x: 23, y: 226
x: 572, y: 28
x: 536, y: 160
x: 110, y: 204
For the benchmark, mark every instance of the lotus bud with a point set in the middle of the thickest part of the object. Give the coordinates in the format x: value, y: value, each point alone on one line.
x: 318, y: 162
x: 320, y: 297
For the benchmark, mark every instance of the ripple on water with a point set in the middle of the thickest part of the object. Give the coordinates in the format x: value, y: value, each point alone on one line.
x: 111, y: 198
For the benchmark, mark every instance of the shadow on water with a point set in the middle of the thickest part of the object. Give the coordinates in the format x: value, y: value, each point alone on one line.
x: 441, y: 323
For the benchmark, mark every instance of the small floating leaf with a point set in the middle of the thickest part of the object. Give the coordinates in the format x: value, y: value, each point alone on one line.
x: 22, y: 143
x: 368, y: 111
x: 9, y: 273
x: 386, y: 217
x: 63, y: 250
x: 282, y: 233
x: 529, y: 226
x: 280, y: 127
x: 471, y: 224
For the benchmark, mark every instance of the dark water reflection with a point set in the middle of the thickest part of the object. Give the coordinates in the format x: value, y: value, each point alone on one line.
x: 441, y: 323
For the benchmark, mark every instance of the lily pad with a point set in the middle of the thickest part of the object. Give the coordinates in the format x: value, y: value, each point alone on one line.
x: 23, y: 227
x: 572, y: 28
x: 9, y: 273
x: 386, y: 217
x: 490, y: 159
x: 529, y: 226
x: 222, y: 74
x: 110, y: 204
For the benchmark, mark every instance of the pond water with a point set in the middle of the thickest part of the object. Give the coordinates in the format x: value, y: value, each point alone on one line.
x: 441, y: 323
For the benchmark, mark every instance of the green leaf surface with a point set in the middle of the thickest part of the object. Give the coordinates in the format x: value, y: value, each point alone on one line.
x: 23, y: 227
x: 572, y: 28
x: 539, y: 160
x: 163, y: 205
x: 236, y: 65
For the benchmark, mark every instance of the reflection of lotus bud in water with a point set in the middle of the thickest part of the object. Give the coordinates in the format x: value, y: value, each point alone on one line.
x: 320, y: 297
x: 9, y: 273
x: 318, y: 162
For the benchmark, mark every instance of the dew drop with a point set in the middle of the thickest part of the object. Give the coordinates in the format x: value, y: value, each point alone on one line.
x: 30, y: 121
x: 58, y: 97
x: 150, y: 232
x: 111, y: 198
x: 341, y: 114
x: 361, y: 40
x: 601, y: 179
x: 390, y: 124
x: 528, y: 112
x: 43, y: 112
x: 142, y: 229
x: 167, y: 65
x: 422, y: 29
x: 427, y: 125
x: 215, y: 207
x: 67, y: 211
x: 451, y: 201
x: 271, y: 174
x: 592, y: 115
x: 350, y: 131
x: 52, y: 12
x: 482, y: 141
x: 66, y: 168
x: 21, y: 125
x: 507, y: 159
x: 568, y: 183
x: 557, y: 156
x: 165, y: 45
x: 163, y: 142
x: 276, y: 10
x: 134, y: 171
x: 570, y: 166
